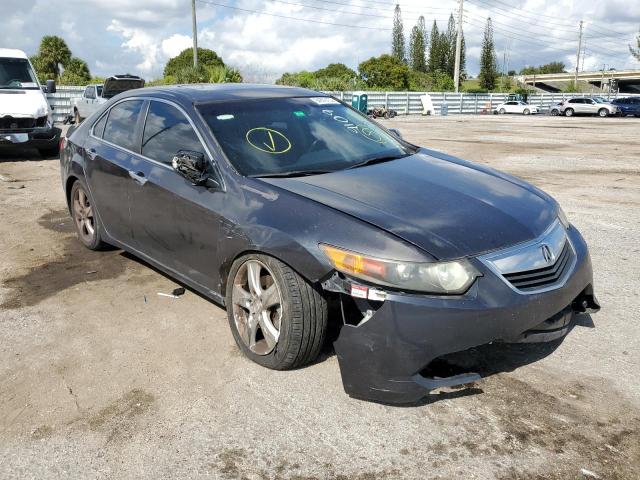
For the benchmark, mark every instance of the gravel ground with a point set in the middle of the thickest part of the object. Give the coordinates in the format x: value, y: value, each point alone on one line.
x: 102, y: 378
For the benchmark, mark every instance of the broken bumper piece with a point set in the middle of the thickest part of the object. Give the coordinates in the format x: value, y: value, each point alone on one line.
x: 385, y: 357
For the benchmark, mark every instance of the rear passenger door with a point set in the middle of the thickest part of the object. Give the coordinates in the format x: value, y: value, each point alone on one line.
x: 175, y: 223
x: 110, y: 152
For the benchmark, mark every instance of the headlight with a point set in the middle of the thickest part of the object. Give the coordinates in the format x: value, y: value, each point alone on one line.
x: 453, y: 277
x: 563, y: 217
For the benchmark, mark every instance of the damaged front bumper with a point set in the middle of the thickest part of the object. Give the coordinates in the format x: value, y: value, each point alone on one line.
x: 382, y: 355
x: 39, y: 137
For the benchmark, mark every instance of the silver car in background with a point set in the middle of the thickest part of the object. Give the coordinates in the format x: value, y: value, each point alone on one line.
x: 588, y: 106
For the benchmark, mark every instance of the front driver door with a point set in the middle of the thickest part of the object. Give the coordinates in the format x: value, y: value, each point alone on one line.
x: 175, y: 223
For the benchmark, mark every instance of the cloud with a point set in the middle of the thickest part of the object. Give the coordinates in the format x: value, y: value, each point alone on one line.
x: 117, y: 36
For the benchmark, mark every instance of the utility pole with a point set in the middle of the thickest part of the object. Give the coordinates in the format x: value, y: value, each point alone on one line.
x: 195, y: 33
x: 575, y: 80
x: 456, y: 71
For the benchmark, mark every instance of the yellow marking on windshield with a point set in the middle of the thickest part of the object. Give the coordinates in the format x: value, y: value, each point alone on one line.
x: 275, y: 142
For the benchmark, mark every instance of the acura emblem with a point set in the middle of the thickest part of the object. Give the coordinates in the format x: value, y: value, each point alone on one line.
x: 546, y: 253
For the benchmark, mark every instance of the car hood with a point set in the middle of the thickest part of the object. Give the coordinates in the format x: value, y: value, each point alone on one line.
x: 447, y: 207
x: 23, y: 103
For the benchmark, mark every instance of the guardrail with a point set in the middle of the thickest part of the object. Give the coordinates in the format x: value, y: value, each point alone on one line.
x: 467, y: 103
x: 403, y: 102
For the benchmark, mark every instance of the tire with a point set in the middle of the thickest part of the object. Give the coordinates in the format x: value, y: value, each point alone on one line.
x: 88, y: 226
x: 554, y: 113
x: 568, y: 112
x: 526, y: 111
x: 603, y: 112
x: 502, y: 111
x: 300, y: 318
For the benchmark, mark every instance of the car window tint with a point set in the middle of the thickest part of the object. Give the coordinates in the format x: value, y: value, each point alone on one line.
x: 166, y: 131
x: 121, y: 124
x: 99, y: 89
x: 98, y: 127
x: 573, y: 100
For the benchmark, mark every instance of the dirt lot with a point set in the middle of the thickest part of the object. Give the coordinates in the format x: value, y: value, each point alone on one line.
x: 102, y: 378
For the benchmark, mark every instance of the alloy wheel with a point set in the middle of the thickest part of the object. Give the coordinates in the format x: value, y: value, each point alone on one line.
x: 83, y: 216
x: 257, y: 307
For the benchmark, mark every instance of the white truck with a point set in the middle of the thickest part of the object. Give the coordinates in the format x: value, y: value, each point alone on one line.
x: 25, y: 115
x: 97, y: 94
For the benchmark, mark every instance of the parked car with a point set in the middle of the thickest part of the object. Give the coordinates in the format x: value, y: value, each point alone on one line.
x: 554, y: 110
x: 380, y: 111
x: 513, y: 106
x: 97, y: 94
x: 588, y: 106
x: 292, y: 209
x: 628, y: 105
x: 26, y: 118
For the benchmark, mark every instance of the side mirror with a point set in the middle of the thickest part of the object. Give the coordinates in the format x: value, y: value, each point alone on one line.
x: 193, y: 166
x: 51, y: 86
x: 396, y: 132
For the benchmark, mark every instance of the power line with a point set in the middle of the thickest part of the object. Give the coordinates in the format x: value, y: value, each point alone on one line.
x: 309, y: 20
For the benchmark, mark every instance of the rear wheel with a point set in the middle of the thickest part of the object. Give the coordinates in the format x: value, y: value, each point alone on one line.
x: 526, y: 111
x: 277, y: 318
x: 603, y: 112
x: 502, y: 111
x: 554, y: 113
x: 568, y: 112
x: 84, y: 218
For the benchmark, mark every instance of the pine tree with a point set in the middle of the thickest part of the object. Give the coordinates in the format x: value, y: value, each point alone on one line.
x: 434, y: 49
x: 397, y: 39
x: 636, y: 51
x: 417, y: 50
x: 488, y: 62
x: 450, y: 46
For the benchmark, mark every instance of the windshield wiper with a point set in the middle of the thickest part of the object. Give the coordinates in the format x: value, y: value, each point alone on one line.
x: 374, y: 160
x: 293, y: 173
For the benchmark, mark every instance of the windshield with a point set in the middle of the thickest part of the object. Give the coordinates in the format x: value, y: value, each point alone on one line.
x: 297, y: 136
x: 16, y: 73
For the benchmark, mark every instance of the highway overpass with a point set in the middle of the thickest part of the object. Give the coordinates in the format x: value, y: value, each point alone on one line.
x: 624, y: 81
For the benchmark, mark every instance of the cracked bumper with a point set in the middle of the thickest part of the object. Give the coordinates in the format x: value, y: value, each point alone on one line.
x: 381, y: 359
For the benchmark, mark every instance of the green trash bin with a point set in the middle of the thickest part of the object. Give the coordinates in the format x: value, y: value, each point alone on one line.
x: 359, y: 101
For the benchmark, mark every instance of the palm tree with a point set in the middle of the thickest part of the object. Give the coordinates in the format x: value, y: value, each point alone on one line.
x: 636, y: 51
x: 54, y: 52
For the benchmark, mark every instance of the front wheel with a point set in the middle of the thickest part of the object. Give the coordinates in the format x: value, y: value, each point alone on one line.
x: 277, y: 318
x: 603, y: 112
x: 554, y: 113
x: 84, y: 217
x: 568, y: 112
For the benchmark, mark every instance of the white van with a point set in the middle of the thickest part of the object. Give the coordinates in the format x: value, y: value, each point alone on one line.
x: 25, y: 115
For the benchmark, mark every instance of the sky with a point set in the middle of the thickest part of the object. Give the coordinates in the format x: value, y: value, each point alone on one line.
x: 139, y: 36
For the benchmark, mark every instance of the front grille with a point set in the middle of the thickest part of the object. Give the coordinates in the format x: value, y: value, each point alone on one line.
x: 540, y: 278
x: 11, y: 124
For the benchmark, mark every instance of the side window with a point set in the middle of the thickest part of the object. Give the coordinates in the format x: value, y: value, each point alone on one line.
x: 166, y: 131
x: 98, y: 127
x: 121, y: 124
x: 99, y: 89
x: 573, y: 100
x: 89, y: 92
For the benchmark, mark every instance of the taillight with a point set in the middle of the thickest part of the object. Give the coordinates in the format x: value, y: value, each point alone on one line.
x: 63, y: 143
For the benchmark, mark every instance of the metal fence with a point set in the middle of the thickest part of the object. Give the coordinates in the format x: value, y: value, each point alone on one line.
x: 62, y: 101
x: 469, y: 103
x: 402, y: 102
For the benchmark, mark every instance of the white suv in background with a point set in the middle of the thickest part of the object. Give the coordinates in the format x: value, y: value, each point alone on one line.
x: 588, y: 106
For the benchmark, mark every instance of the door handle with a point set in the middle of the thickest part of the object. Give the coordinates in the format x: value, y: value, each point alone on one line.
x: 138, y: 177
x: 91, y: 153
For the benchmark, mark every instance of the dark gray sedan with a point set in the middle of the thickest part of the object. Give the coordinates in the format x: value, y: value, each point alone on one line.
x: 296, y: 212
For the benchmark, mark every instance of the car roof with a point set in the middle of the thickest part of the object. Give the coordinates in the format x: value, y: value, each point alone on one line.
x: 12, y: 53
x: 205, y: 93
